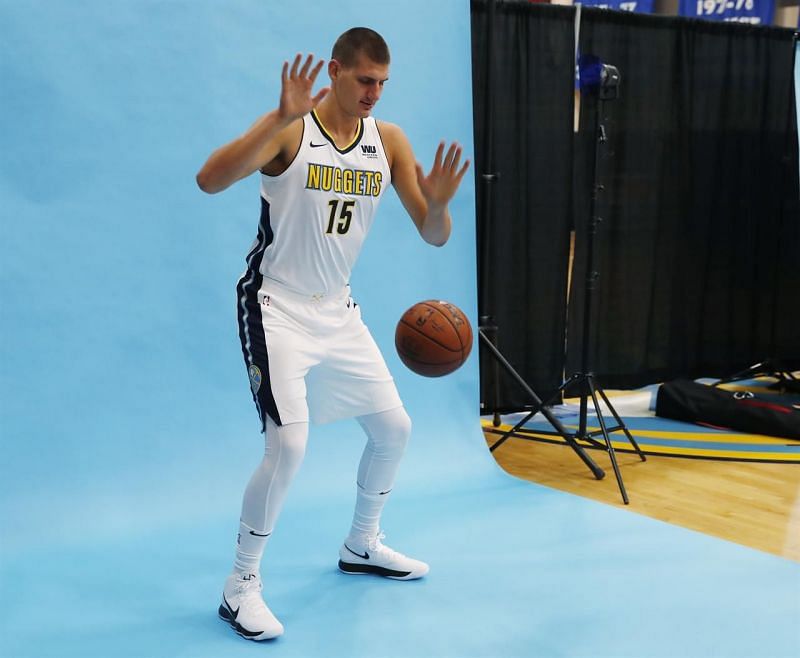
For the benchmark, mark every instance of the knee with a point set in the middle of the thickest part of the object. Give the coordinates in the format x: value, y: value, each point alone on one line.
x: 401, y: 425
x: 390, y: 430
x: 286, y: 446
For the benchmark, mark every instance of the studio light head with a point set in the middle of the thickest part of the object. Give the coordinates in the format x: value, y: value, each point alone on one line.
x: 599, y: 78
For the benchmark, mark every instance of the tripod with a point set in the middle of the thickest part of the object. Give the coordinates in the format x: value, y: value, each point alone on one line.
x: 767, y: 368
x: 589, y: 386
x: 489, y: 178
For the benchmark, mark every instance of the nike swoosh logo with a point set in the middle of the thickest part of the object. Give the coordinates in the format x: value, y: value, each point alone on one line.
x: 257, y: 534
x: 235, y: 613
x: 358, y: 484
x: 363, y: 557
x: 315, y: 146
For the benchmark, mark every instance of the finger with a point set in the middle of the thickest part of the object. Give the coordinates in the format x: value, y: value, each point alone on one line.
x: 285, y: 72
x: 420, y: 172
x: 463, y: 171
x: 448, y: 161
x: 295, y: 64
x: 315, y: 71
x: 320, y: 95
x: 456, y: 159
x: 437, y: 161
x: 306, y: 66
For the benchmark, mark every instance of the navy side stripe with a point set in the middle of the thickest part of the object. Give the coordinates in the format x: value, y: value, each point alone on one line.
x: 251, y: 330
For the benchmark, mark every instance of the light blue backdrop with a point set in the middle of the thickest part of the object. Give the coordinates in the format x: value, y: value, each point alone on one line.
x: 128, y: 431
x: 122, y: 369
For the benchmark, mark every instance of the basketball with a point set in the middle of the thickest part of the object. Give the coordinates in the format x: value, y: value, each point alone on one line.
x: 433, y: 338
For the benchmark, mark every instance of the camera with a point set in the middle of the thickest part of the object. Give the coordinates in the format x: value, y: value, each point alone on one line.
x: 597, y: 77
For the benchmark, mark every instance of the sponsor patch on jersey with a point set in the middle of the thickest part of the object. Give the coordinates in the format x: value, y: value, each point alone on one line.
x: 369, y: 151
x: 255, y: 378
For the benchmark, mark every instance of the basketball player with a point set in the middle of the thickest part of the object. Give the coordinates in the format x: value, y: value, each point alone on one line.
x: 324, y: 165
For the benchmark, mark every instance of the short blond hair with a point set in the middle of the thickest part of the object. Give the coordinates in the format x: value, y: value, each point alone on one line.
x: 359, y: 40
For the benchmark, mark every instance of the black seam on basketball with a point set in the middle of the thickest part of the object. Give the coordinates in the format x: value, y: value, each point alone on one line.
x: 433, y: 340
x: 446, y: 317
x: 438, y: 306
x: 415, y: 359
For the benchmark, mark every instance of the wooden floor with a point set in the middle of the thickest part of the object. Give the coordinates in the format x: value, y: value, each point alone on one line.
x: 753, y: 504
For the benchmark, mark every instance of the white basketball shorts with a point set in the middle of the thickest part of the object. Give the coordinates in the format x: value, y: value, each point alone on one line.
x: 309, y: 357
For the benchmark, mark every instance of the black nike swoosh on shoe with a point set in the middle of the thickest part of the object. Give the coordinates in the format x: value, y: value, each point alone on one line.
x: 233, y: 614
x: 241, y: 630
x: 363, y: 557
x: 258, y: 534
x: 225, y: 614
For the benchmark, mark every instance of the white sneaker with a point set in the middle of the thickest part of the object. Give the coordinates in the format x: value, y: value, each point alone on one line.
x: 244, y: 609
x: 371, y: 556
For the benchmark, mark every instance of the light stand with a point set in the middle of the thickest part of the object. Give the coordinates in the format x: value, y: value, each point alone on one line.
x: 489, y: 177
x: 600, y: 81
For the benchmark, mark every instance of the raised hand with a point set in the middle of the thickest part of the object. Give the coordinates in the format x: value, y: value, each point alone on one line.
x: 439, y: 186
x: 296, y: 86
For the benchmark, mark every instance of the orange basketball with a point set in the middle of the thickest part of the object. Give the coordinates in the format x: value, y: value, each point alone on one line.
x: 433, y: 338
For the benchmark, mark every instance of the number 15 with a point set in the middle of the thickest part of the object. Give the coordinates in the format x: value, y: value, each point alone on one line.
x: 344, y: 217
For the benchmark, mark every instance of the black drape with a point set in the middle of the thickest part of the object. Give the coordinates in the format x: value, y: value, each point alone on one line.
x: 523, y: 247
x: 699, y: 247
x: 698, y: 251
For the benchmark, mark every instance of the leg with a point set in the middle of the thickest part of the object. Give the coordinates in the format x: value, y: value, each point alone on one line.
x: 242, y: 605
x: 266, y: 491
x: 387, y: 435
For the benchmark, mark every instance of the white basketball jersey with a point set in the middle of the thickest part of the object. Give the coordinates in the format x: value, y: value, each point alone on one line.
x: 316, y: 214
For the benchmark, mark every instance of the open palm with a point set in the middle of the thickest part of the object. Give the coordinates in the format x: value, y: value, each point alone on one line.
x: 296, y: 85
x: 441, y: 183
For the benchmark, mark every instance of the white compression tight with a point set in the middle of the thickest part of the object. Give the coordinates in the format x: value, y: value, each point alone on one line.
x: 387, y: 435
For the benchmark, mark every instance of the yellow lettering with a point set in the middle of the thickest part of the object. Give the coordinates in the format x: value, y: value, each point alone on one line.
x: 312, y: 183
x: 343, y: 181
x: 327, y: 178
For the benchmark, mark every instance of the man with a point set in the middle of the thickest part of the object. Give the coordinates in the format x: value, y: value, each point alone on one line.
x: 324, y: 163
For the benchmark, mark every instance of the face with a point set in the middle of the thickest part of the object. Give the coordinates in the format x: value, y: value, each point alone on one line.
x: 359, y: 87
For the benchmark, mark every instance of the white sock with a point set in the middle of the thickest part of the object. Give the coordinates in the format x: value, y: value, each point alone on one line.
x: 250, y: 546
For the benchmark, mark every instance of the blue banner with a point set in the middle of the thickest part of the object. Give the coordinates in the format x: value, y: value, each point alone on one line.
x: 754, y: 12
x: 639, y: 6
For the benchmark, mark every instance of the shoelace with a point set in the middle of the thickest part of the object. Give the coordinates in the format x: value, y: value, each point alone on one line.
x: 375, y: 544
x: 249, y: 592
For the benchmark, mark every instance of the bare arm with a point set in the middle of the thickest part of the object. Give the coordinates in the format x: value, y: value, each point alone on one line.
x: 269, y: 135
x: 425, y: 197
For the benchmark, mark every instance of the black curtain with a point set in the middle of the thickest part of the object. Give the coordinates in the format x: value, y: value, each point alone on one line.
x: 699, y: 248
x: 523, y: 238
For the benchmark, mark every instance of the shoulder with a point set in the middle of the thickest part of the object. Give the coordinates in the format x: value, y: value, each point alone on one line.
x: 394, y: 140
x: 288, y: 142
x: 390, y: 132
x: 291, y: 136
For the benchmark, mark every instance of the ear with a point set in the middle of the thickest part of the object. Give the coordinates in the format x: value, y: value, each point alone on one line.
x: 333, y: 69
